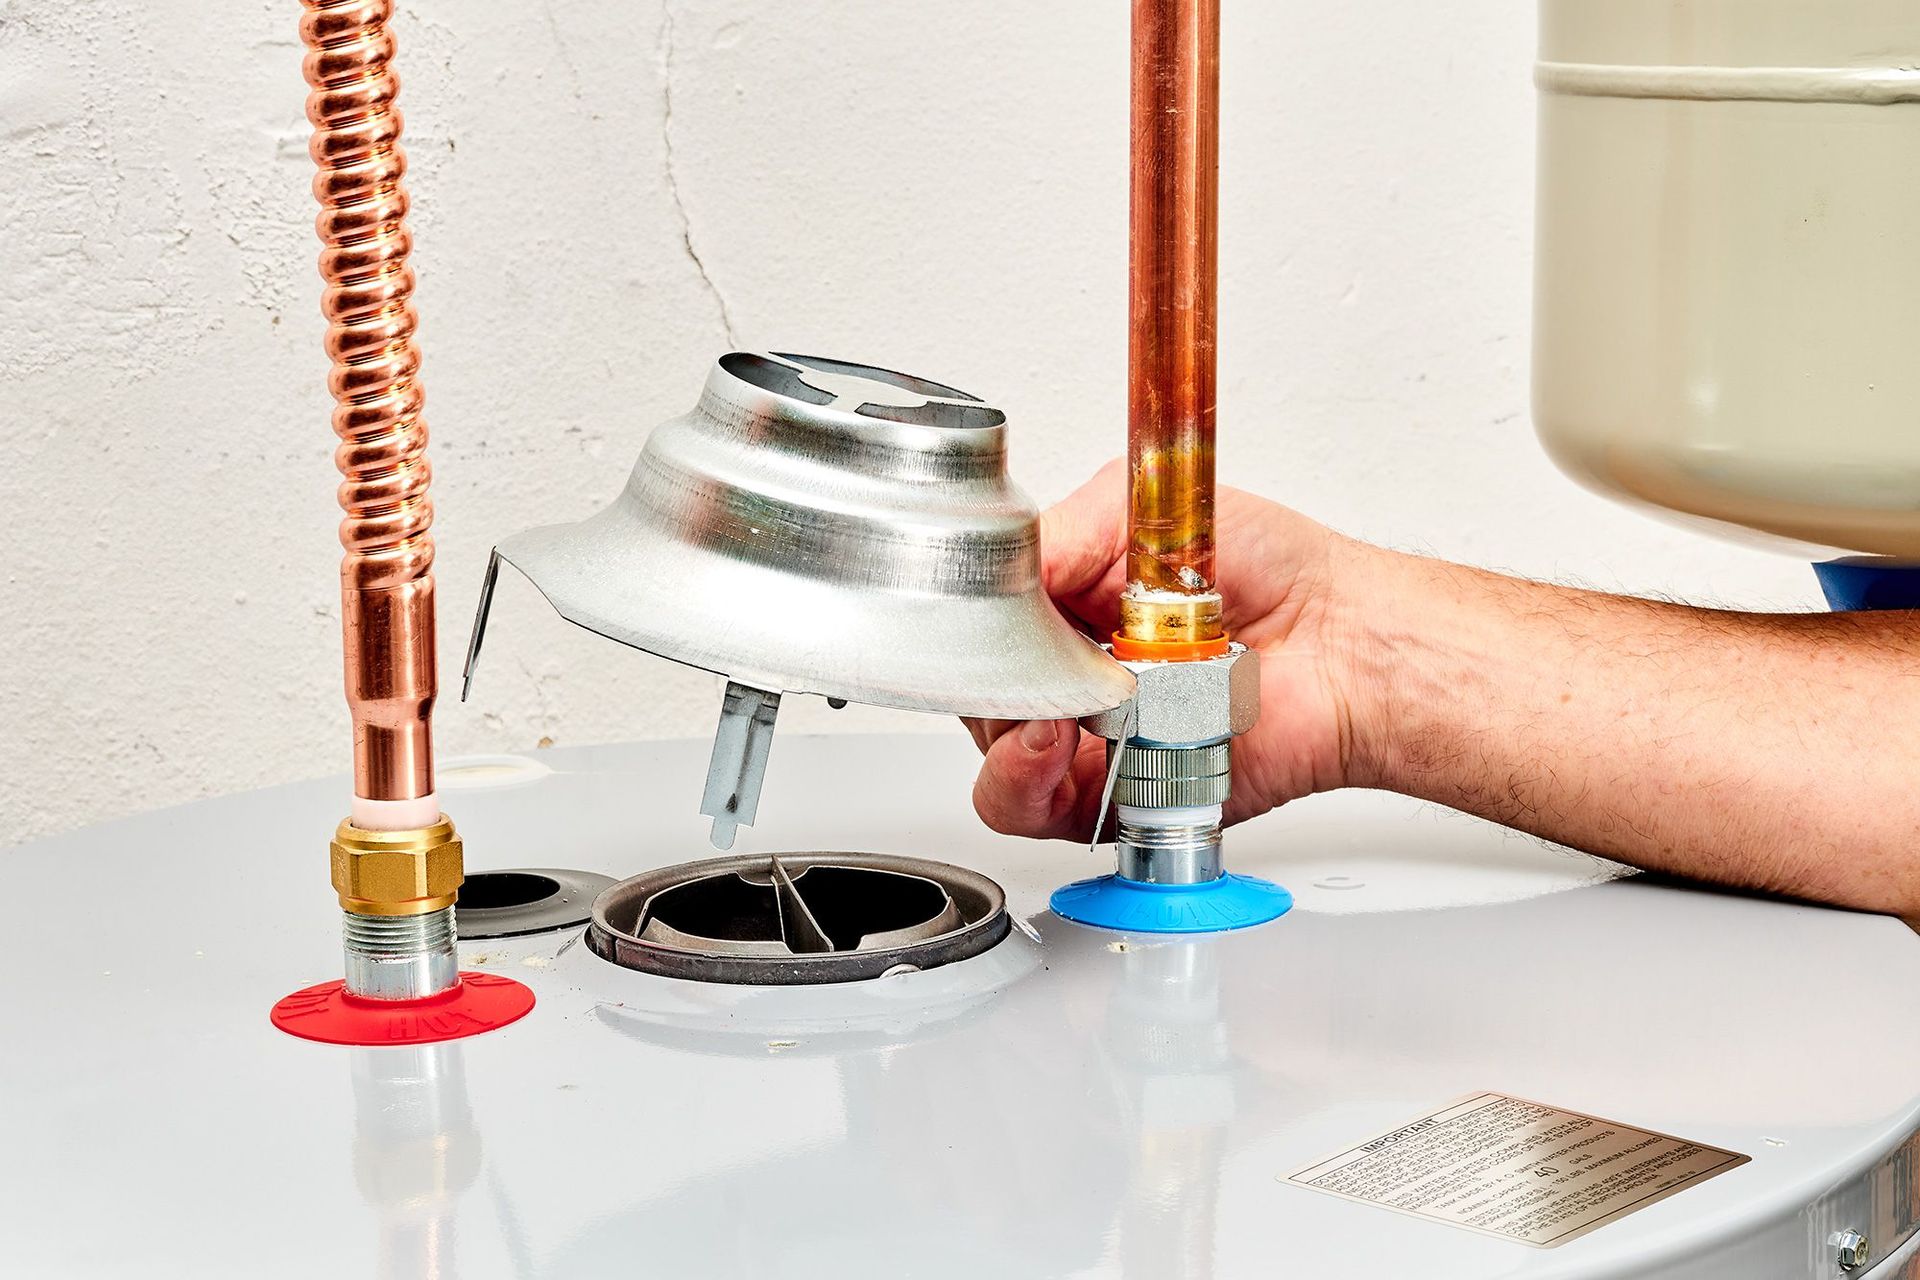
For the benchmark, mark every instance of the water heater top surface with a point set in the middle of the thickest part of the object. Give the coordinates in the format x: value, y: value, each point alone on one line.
x: 1070, y: 1102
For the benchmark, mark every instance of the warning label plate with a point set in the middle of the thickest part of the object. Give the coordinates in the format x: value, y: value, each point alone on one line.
x: 1516, y: 1169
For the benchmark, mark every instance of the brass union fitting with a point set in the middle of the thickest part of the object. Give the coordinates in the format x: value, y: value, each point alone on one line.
x: 397, y: 873
x: 1166, y: 617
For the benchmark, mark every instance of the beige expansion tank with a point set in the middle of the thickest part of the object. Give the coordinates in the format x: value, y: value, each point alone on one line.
x: 1727, y: 306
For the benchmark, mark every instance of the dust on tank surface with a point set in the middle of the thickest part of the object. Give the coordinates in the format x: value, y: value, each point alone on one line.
x: 1726, y: 264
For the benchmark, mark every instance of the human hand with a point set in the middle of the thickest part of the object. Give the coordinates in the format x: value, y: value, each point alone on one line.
x: 1276, y: 568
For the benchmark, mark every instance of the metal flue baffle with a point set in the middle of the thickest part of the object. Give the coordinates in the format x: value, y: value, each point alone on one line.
x: 798, y: 918
x: 817, y: 526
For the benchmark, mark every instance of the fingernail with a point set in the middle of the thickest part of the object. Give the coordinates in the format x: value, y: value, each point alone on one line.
x: 1039, y: 735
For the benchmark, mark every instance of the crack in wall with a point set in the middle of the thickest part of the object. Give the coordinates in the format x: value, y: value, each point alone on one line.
x: 548, y: 718
x: 562, y: 48
x: 666, y: 62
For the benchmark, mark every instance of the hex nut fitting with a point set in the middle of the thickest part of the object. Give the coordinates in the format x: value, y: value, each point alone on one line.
x: 397, y: 873
x: 1852, y: 1250
x: 1186, y: 704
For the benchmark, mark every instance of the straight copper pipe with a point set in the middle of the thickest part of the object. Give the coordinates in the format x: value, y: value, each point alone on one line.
x: 386, y: 581
x: 1172, y: 316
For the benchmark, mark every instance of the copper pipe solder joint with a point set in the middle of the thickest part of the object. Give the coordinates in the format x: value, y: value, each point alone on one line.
x: 1169, y: 618
x: 397, y: 873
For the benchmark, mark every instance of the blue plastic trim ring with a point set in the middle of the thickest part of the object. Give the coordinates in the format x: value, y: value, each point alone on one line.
x: 1231, y: 902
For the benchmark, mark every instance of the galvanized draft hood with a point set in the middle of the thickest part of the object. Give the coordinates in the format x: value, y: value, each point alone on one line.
x: 816, y: 526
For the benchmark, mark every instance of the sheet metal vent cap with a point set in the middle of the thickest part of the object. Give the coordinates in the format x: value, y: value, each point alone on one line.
x: 818, y: 526
x: 797, y: 918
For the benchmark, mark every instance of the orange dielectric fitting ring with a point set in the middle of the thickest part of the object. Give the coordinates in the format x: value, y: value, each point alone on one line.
x: 1129, y: 650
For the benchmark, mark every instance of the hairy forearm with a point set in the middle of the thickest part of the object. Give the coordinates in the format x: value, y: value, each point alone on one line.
x: 1772, y: 751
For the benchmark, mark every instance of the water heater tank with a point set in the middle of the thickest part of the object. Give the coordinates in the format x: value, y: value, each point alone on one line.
x: 1727, y: 310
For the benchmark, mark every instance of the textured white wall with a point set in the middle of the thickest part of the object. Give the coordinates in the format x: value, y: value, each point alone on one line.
x: 609, y: 193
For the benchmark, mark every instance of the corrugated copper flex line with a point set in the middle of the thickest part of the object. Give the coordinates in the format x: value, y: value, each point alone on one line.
x: 396, y: 864
x: 386, y: 581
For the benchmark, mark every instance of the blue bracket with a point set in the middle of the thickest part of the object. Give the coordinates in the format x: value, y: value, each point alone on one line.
x: 1231, y: 902
x: 1868, y: 583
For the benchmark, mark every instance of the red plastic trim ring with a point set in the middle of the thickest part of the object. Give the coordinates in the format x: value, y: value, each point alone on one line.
x: 481, y: 1002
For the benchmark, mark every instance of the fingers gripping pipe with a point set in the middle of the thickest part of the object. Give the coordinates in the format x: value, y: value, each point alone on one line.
x: 396, y: 863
